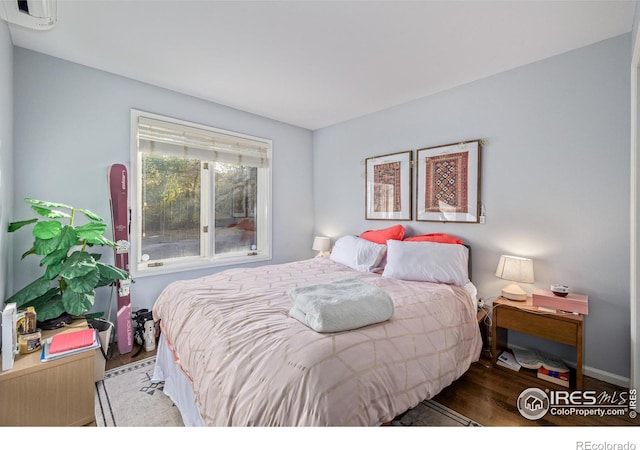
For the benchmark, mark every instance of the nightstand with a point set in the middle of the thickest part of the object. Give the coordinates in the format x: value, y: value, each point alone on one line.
x: 53, y: 393
x: 522, y: 316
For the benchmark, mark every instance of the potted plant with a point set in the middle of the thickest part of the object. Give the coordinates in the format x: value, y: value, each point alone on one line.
x: 71, y: 271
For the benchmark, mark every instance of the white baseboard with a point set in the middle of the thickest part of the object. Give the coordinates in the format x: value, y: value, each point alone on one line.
x: 606, y: 376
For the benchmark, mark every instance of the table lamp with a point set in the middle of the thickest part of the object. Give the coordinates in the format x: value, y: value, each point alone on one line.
x: 517, y: 270
x: 322, y: 245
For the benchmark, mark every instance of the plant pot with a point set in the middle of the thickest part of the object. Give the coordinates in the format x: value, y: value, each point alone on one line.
x: 105, y: 329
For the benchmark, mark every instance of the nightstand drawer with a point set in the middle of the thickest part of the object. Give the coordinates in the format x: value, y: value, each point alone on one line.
x: 538, y: 324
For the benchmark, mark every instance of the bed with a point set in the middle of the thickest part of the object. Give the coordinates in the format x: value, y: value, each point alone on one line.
x: 230, y: 353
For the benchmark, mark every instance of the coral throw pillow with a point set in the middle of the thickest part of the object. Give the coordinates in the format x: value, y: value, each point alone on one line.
x: 395, y: 232
x: 441, y: 238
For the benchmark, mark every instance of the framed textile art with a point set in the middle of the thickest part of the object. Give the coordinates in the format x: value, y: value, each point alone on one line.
x: 388, y: 186
x: 448, y: 183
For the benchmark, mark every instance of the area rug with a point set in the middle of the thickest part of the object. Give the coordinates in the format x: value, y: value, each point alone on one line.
x: 432, y: 414
x: 128, y: 398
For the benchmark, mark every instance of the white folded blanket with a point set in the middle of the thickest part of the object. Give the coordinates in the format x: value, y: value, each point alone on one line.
x: 340, y: 306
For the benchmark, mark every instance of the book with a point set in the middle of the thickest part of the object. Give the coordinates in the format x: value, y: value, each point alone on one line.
x: 561, y: 378
x: 46, y: 354
x: 506, y: 359
x: 534, y: 359
x: 64, y: 342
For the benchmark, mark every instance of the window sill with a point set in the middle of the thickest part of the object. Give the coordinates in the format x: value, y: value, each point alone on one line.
x: 199, y: 264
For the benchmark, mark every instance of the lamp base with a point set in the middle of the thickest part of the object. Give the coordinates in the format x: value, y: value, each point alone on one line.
x: 514, y: 292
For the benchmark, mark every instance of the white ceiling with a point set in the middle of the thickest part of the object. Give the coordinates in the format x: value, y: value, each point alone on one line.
x: 317, y: 63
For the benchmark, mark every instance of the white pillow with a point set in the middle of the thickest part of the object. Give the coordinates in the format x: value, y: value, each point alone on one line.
x: 359, y: 254
x: 427, y: 261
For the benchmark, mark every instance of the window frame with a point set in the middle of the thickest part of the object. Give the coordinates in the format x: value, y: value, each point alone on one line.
x: 208, y: 259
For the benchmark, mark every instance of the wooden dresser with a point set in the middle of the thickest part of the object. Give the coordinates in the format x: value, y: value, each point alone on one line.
x: 53, y: 393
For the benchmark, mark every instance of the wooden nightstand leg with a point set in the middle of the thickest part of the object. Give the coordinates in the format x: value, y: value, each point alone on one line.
x: 494, y: 347
x: 499, y: 337
x: 579, y: 355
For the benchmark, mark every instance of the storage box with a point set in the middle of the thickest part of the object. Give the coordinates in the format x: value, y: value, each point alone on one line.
x: 575, y: 303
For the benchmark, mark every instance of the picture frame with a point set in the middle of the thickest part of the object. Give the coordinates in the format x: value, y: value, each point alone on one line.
x: 388, y: 186
x: 448, y: 183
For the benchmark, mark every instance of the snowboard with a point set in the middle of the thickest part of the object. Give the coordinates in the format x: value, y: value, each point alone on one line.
x: 118, y: 197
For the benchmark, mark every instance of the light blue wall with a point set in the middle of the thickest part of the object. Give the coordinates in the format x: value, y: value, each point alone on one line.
x: 6, y: 154
x: 72, y: 122
x: 555, y: 179
x: 636, y: 24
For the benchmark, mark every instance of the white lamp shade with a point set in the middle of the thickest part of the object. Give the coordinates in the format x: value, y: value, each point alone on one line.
x: 321, y: 244
x: 517, y: 270
x: 514, y: 268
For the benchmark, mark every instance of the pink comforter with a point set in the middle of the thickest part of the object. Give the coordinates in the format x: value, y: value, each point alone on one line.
x: 253, y: 365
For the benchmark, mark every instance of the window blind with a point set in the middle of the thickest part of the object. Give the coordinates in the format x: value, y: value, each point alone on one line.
x: 165, y: 138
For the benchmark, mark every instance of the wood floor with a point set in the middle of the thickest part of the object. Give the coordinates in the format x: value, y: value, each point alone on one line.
x: 484, y: 394
x: 488, y: 396
x: 117, y: 360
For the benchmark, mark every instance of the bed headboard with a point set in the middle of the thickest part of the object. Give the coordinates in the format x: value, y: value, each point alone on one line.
x: 469, y: 261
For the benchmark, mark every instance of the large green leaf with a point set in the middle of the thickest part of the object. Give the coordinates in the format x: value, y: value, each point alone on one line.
x: 91, y: 215
x: 85, y: 283
x: 109, y: 274
x: 94, y: 315
x: 76, y: 303
x: 67, y: 238
x: 31, y: 251
x: 45, y: 204
x: 52, y: 271
x: 79, y: 263
x: 54, y: 258
x: 91, y: 230
x: 13, y: 226
x: 50, y: 309
x: 50, y: 213
x: 48, y: 296
x: 48, y: 305
x: 101, y: 240
x: 44, y: 246
x: 47, y: 229
x: 30, y: 292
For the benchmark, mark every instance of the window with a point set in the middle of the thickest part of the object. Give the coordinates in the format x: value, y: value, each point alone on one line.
x: 202, y: 196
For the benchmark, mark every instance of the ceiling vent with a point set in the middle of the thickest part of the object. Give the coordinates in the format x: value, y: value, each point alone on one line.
x: 34, y: 14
